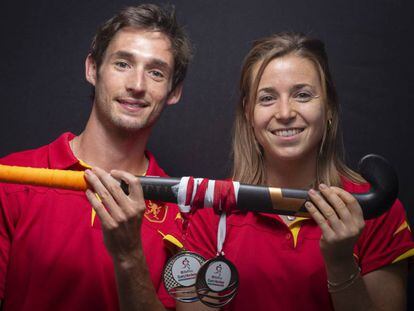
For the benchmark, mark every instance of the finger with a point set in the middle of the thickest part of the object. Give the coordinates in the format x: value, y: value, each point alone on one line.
x: 106, y: 220
x: 326, y: 210
x: 336, y: 203
x: 136, y: 196
x: 353, y: 206
x: 113, y: 186
x: 321, y: 221
x: 106, y: 197
x: 135, y: 189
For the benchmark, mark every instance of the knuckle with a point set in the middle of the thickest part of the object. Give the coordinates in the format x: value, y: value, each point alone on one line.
x: 320, y: 222
x: 130, y: 214
x: 341, y: 208
x: 352, y: 200
x: 121, y: 218
x: 113, y: 188
x: 138, y: 206
x: 105, y: 195
x: 354, y: 231
x: 112, y: 226
x: 135, y: 181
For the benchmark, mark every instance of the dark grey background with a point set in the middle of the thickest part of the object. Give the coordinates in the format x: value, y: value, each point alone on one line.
x: 44, y: 93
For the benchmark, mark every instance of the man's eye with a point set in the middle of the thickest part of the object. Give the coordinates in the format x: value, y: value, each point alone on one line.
x: 122, y: 65
x: 157, y: 74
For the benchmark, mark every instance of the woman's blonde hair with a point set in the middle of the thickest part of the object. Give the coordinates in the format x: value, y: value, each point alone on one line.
x: 247, y: 153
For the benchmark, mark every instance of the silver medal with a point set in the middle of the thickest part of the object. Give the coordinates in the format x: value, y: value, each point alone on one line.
x: 217, y: 282
x: 180, y: 275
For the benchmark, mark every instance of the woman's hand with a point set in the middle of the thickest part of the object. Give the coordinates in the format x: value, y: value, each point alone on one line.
x: 340, y: 218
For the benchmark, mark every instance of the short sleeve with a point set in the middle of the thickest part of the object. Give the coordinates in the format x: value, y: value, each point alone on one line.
x: 385, y: 240
x: 6, y: 229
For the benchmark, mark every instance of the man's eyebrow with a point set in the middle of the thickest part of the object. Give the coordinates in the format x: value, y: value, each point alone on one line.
x: 158, y: 63
x: 154, y: 62
x: 122, y: 54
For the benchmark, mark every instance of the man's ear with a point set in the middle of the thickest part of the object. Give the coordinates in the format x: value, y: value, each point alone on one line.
x: 90, y: 70
x: 175, y: 95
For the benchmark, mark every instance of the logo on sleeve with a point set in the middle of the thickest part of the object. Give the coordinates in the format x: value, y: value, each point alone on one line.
x: 156, y: 211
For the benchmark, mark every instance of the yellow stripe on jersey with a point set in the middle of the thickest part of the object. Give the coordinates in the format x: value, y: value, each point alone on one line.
x: 93, y: 215
x: 294, y: 228
x: 93, y: 212
x: 406, y: 255
x: 84, y: 164
x: 403, y: 226
x: 178, y: 216
x: 171, y: 240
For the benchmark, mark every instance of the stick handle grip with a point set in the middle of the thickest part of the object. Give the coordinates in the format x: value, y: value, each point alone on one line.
x: 65, y: 179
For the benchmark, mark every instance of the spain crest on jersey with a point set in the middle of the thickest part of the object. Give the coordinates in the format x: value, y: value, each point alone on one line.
x: 155, y: 211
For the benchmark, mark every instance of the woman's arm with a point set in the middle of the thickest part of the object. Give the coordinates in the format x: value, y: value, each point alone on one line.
x: 387, y: 286
x: 340, y: 218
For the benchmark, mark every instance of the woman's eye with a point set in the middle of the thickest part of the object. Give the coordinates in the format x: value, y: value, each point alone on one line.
x: 303, y: 96
x: 266, y: 99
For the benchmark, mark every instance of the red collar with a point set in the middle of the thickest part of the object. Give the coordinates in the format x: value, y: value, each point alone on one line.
x: 62, y: 157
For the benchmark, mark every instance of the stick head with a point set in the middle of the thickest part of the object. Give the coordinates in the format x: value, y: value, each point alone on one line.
x: 384, y: 185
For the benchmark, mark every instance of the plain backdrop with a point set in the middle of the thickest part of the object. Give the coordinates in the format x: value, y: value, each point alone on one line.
x: 43, y: 91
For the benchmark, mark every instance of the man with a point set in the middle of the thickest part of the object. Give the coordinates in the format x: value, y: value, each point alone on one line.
x: 52, y: 256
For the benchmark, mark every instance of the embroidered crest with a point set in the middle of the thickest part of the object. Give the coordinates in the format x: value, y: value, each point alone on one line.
x: 156, y: 211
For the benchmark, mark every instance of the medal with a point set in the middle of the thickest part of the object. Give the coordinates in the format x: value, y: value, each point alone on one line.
x: 180, y: 275
x: 218, y: 279
x: 217, y: 282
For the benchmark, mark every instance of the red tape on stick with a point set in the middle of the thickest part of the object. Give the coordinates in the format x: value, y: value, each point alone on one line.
x: 190, y: 189
x: 200, y: 195
x: 224, y: 196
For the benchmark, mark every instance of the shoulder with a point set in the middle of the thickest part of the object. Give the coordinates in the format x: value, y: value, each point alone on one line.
x: 396, y: 210
x: 38, y: 157
x: 153, y: 168
x: 354, y: 187
x: 30, y: 157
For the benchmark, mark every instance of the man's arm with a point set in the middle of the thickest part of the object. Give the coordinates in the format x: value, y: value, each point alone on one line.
x: 121, y: 219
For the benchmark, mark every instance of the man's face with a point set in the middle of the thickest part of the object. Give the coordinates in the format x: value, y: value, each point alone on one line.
x: 134, y: 80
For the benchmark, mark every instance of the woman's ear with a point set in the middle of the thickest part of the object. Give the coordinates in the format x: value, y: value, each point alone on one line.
x: 246, y: 112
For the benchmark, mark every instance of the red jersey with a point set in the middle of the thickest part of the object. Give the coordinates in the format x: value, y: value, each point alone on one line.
x: 52, y: 254
x: 281, y: 267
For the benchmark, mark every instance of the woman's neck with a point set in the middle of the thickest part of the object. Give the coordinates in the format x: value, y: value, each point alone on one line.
x: 295, y: 174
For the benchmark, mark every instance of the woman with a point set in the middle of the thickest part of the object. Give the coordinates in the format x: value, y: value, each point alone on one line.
x: 287, y: 135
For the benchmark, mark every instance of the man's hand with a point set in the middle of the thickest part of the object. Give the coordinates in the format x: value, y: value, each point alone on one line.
x: 120, y: 214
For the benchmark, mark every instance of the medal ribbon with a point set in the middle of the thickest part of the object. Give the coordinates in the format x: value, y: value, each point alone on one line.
x: 221, y: 234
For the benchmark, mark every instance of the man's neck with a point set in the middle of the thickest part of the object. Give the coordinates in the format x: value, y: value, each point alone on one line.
x: 98, y: 146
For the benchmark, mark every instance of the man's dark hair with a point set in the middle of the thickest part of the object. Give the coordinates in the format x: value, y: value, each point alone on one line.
x: 148, y: 17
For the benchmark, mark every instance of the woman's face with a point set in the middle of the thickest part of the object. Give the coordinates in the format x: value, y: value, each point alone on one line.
x: 290, y: 113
